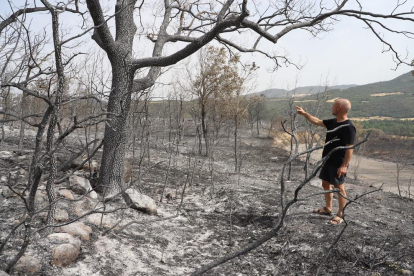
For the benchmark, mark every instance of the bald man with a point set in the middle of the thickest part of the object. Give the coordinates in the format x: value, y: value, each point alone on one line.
x: 335, y: 168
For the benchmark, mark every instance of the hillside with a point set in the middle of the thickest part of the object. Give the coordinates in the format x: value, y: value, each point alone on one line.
x: 394, y: 98
x: 282, y: 93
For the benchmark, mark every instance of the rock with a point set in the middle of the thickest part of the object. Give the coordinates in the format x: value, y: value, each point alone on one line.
x: 36, y: 236
x: 140, y: 202
x: 78, y: 229
x: 80, y: 185
x: 107, y: 221
x: 169, y: 196
x: 93, y: 195
x: 316, y: 183
x: 83, y: 206
x: 62, y: 238
x: 22, y: 171
x: 2, y: 273
x: 6, y: 192
x: 5, y: 154
x: 61, y: 215
x: 65, y: 193
x: 406, y: 272
x: 41, y: 200
x: 27, y: 265
x: 64, y: 254
x: 78, y: 161
x: 3, y: 178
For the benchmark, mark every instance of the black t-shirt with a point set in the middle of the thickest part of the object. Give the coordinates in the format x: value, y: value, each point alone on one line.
x: 345, y: 134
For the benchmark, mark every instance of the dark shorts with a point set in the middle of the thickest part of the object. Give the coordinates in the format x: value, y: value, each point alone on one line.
x: 330, y: 173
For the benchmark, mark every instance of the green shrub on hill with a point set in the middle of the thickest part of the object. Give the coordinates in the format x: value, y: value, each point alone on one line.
x: 391, y: 127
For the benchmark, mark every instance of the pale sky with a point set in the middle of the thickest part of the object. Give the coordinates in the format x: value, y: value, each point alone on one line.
x: 350, y: 54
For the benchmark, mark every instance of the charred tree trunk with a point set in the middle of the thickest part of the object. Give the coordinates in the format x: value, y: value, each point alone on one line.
x: 112, y: 165
x: 204, y: 127
x: 236, y: 159
x: 55, y: 113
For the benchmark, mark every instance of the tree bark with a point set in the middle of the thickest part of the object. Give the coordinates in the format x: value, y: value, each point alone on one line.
x: 112, y: 165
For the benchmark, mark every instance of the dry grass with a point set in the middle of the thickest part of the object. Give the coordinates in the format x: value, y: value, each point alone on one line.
x: 386, y: 94
x: 380, y: 118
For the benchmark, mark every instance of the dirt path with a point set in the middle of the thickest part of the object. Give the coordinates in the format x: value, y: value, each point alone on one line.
x: 376, y: 172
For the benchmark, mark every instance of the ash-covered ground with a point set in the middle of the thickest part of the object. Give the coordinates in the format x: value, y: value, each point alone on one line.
x: 220, y: 213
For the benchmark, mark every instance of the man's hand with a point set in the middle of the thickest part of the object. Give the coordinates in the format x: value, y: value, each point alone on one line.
x: 341, y: 171
x: 300, y: 110
x: 309, y: 117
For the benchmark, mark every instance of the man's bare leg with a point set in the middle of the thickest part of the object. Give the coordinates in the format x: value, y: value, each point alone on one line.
x: 329, y: 196
x: 341, y: 203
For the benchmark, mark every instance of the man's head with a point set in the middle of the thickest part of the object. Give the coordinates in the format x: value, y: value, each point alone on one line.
x: 341, y: 107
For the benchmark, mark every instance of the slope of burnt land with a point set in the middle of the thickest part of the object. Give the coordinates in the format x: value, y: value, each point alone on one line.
x: 221, y: 215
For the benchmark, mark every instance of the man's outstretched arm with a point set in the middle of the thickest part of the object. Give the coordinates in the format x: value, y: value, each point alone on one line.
x: 310, y: 118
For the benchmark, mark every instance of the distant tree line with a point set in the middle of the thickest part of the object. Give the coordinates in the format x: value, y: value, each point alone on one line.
x: 391, y: 127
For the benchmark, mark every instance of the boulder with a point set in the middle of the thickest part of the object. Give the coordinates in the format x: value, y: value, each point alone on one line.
x: 3, y: 178
x: 78, y: 161
x: 82, y: 206
x: 315, y: 183
x: 79, y: 185
x: 2, y: 273
x: 41, y: 199
x: 78, y: 229
x: 140, y: 202
x: 6, y: 192
x: 27, y: 265
x: 65, y: 193
x: 61, y: 215
x: 62, y: 238
x: 5, y: 154
x: 64, y: 254
x: 93, y: 195
x: 107, y: 221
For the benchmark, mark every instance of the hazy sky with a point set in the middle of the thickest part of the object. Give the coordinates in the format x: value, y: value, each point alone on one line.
x: 350, y: 54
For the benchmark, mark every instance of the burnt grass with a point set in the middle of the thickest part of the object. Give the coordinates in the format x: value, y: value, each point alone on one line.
x: 220, y: 216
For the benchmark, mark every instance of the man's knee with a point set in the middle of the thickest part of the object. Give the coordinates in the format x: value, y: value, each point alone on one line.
x: 340, y: 187
x: 326, y: 185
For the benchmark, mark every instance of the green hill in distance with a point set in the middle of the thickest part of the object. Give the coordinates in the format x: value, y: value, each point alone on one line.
x: 394, y: 98
x: 305, y: 90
